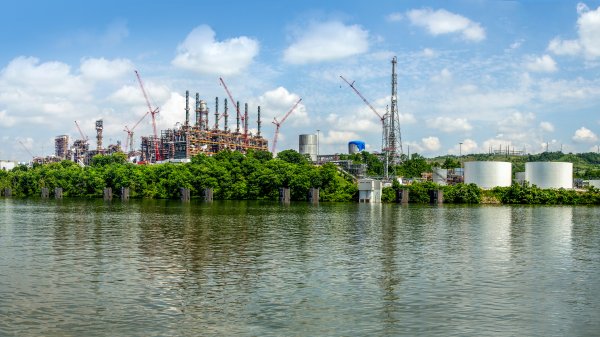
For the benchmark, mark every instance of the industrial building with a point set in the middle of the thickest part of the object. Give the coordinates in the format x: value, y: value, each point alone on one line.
x: 488, y: 174
x: 549, y: 174
x: 188, y: 139
x: 80, y: 151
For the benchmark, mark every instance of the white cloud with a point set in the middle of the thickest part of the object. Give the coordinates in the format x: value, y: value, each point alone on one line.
x: 428, y: 52
x: 584, y: 135
x: 6, y: 120
x: 395, y: 17
x: 447, y: 124
x: 442, y: 21
x: 200, y: 52
x: 543, y: 64
x: 443, y: 76
x: 431, y: 143
x: 467, y: 146
x: 515, y: 122
x: 588, y: 31
x: 547, y: 126
x: 564, y: 47
x: 277, y: 102
x: 27, y: 74
x: 326, y: 42
x: 103, y: 69
x: 338, y: 137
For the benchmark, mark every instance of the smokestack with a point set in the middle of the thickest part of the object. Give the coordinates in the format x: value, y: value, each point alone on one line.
x: 258, y: 122
x: 226, y: 114
x: 245, y: 118
x: 237, y: 111
x: 197, y: 109
x: 216, y: 113
x: 187, y: 108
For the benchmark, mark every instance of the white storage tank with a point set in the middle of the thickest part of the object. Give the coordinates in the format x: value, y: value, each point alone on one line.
x: 488, y: 174
x: 549, y: 174
x: 440, y: 176
x: 307, y: 144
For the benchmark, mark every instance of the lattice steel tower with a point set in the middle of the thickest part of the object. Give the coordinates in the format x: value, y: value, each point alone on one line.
x: 394, y: 142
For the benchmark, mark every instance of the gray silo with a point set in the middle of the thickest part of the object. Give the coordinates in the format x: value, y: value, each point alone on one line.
x: 307, y: 144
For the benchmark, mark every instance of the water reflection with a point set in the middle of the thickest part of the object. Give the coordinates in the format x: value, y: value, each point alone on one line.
x: 260, y: 268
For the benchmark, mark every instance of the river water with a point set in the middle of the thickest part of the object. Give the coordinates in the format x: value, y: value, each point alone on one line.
x: 166, y: 268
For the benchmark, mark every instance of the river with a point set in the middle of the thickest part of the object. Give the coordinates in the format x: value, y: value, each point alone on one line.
x: 166, y: 268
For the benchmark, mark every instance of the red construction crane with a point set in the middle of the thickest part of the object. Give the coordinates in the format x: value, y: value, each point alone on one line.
x: 153, y: 112
x: 237, y: 108
x: 278, y: 124
x: 129, y: 131
x: 83, y: 136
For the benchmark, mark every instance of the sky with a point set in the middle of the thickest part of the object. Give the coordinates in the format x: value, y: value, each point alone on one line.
x: 473, y: 75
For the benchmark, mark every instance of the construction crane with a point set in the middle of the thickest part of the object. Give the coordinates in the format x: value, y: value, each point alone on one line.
x: 384, y: 127
x: 278, y: 124
x: 237, y: 106
x: 83, y: 136
x: 130, y: 132
x: 153, y: 112
x: 26, y: 149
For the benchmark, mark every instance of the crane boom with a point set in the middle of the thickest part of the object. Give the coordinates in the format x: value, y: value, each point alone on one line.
x: 237, y: 108
x: 153, y: 112
x: 362, y: 97
x: 83, y: 136
x: 26, y: 149
x: 278, y: 124
x: 130, y: 132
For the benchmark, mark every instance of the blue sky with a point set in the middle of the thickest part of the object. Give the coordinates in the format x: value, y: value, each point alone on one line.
x: 482, y: 73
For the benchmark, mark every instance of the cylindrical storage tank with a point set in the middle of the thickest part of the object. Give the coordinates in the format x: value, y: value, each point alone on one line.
x: 356, y: 146
x: 440, y: 176
x: 488, y: 174
x: 549, y: 174
x: 307, y: 144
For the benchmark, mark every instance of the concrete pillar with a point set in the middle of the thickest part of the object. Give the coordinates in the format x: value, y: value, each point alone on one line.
x: 284, y: 195
x: 185, y: 194
x: 108, y: 194
x: 402, y: 196
x: 313, y: 195
x: 45, y: 193
x: 436, y: 197
x: 124, y: 193
x: 208, y: 194
x: 58, y: 193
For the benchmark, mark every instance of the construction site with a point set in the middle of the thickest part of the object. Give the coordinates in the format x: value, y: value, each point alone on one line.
x: 199, y: 135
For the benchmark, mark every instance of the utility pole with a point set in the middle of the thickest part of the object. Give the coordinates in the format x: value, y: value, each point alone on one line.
x: 318, y: 134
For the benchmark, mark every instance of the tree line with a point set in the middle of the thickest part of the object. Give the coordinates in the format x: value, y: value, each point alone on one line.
x: 231, y: 175
x: 258, y: 176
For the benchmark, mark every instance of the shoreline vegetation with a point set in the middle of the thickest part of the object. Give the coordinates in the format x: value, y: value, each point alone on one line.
x: 258, y: 176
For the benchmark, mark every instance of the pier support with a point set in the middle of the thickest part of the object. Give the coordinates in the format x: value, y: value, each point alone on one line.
x: 436, y: 197
x: 124, y: 193
x: 108, y: 194
x: 208, y: 194
x: 313, y: 195
x: 45, y: 193
x: 185, y: 194
x: 58, y: 193
x: 284, y: 195
x: 402, y: 196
